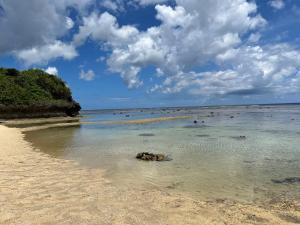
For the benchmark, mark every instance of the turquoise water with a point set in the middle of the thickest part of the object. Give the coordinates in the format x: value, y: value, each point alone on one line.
x: 210, y: 159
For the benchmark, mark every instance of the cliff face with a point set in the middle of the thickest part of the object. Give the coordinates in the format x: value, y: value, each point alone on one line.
x: 34, y: 93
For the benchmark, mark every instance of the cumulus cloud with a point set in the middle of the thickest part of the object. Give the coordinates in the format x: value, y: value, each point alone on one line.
x: 277, y: 4
x: 249, y: 70
x: 87, y: 75
x: 104, y: 27
x: 113, y: 5
x: 189, y: 36
x: 32, y: 23
x: 200, y: 47
x: 224, y: 33
x: 52, y: 70
x: 43, y: 54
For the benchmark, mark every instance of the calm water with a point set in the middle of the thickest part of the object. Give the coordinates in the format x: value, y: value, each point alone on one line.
x: 210, y: 160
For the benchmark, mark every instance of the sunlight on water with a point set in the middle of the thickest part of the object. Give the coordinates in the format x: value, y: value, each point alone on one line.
x: 234, y: 153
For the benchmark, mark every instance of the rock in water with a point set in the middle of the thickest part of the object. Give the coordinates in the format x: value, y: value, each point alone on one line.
x: 151, y: 157
x: 288, y: 180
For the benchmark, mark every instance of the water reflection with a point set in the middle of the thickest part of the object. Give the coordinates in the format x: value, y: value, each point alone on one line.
x: 57, y: 142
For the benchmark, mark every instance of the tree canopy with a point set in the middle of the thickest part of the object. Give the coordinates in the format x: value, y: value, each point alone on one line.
x: 34, y: 91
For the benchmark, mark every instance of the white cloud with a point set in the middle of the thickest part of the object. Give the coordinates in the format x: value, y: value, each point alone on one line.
x: 52, y: 70
x: 249, y: 70
x: 109, y: 4
x: 87, y: 76
x: 69, y: 23
x: 43, y: 54
x: 104, y: 27
x: 113, y: 5
x: 254, y: 37
x: 193, y: 36
x: 190, y: 35
x: 121, y: 5
x: 277, y: 4
x: 32, y: 23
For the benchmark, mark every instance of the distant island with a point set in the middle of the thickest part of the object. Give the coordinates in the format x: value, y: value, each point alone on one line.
x: 34, y: 93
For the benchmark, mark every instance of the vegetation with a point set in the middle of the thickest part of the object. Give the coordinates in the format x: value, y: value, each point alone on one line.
x: 34, y: 93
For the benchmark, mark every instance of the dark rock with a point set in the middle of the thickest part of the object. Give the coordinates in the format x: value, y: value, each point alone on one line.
x: 288, y: 180
x: 231, y: 117
x: 127, y: 116
x: 146, y: 156
x: 74, y: 109
x: 239, y: 137
x: 147, y: 135
x: 195, y: 121
x: 202, y: 135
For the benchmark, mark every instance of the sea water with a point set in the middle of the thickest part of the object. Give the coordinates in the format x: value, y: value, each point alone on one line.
x: 232, y: 152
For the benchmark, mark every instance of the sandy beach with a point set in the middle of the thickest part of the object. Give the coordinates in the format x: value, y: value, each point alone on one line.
x: 38, y: 189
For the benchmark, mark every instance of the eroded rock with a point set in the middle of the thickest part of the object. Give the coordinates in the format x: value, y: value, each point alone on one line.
x: 146, y: 156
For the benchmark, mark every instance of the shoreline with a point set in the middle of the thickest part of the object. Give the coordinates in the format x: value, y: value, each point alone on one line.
x: 38, y: 189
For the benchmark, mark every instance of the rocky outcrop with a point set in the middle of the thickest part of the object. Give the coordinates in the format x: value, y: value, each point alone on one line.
x: 146, y: 156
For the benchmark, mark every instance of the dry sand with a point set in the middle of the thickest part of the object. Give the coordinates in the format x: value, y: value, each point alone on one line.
x: 38, y: 189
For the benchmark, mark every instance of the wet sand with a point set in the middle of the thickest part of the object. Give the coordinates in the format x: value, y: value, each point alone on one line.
x: 16, y: 122
x: 38, y: 189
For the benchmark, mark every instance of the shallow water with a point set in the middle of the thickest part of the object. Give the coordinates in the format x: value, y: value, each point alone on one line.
x: 222, y: 157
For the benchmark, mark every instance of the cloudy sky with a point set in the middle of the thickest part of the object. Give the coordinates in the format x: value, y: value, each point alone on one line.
x: 143, y: 53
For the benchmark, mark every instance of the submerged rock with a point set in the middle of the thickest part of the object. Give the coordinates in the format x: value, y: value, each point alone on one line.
x: 152, y: 157
x: 288, y: 180
x: 202, y: 135
x: 147, y: 135
x: 238, y: 137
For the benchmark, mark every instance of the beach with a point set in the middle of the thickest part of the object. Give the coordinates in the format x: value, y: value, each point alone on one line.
x: 39, y: 189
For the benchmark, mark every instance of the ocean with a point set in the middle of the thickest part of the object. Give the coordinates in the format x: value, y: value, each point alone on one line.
x: 244, y: 153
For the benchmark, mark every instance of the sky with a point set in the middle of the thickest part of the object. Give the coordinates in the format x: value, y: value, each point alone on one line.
x: 157, y: 53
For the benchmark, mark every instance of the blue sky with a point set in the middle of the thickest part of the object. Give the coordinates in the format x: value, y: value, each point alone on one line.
x: 146, y: 53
